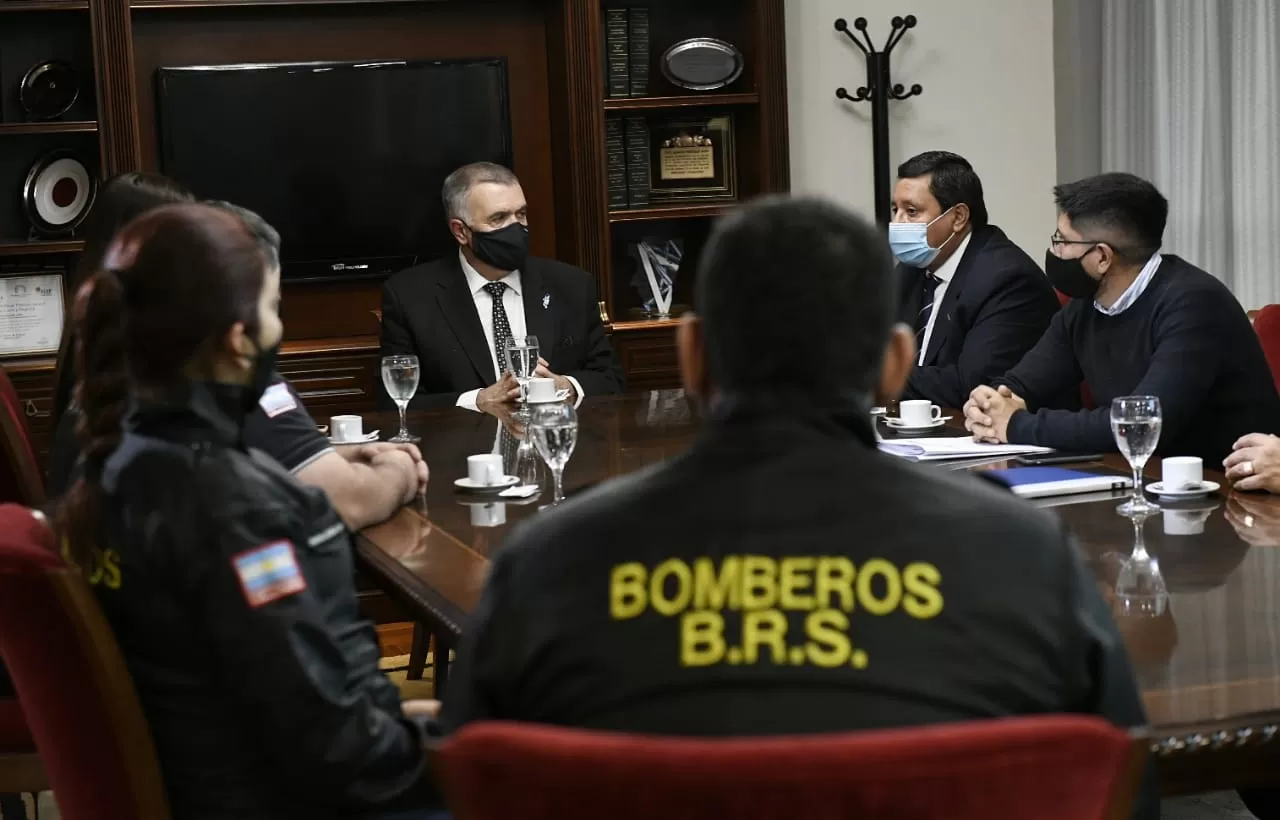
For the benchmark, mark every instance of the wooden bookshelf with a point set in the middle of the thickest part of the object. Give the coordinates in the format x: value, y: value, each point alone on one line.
x: 760, y: 159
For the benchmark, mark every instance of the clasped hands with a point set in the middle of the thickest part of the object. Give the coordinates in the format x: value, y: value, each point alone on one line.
x: 987, y: 413
x: 507, y: 389
x: 378, y: 452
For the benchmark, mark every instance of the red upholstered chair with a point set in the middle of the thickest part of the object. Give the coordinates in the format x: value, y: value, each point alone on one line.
x: 1267, y: 325
x: 1086, y: 396
x: 72, y: 682
x: 19, y: 471
x: 1057, y: 767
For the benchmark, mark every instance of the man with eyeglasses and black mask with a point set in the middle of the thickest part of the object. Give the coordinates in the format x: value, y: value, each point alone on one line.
x: 458, y: 313
x: 1139, y: 323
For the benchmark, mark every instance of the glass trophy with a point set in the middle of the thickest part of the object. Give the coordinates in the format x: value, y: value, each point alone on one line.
x: 657, y: 262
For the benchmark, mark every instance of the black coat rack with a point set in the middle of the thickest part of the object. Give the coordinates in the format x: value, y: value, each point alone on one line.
x: 879, y: 91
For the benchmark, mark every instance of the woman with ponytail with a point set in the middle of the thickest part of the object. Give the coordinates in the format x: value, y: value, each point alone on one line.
x: 118, y: 203
x: 228, y: 583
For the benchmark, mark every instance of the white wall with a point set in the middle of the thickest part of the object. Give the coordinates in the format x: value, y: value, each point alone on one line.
x: 988, y: 75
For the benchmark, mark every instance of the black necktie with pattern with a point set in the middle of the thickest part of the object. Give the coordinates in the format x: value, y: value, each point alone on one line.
x: 501, y: 327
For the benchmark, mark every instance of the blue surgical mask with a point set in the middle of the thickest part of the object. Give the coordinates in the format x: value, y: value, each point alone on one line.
x: 910, y: 242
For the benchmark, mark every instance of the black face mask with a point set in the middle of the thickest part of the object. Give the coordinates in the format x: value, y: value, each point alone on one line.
x: 506, y: 248
x: 264, y: 371
x: 1070, y: 277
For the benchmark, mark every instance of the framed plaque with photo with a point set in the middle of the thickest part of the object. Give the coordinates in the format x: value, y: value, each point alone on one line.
x: 31, y: 314
x: 692, y: 158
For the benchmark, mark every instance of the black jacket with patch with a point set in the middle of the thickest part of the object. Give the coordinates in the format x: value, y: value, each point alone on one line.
x: 229, y: 587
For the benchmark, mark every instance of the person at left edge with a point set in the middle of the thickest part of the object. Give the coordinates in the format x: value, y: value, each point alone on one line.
x: 456, y: 313
x: 227, y: 583
x: 975, y: 300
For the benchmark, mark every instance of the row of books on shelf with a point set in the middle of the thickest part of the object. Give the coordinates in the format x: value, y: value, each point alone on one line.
x: 626, y: 52
x: 626, y: 148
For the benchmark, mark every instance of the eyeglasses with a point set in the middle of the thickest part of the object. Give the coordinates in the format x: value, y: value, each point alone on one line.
x: 1058, y: 240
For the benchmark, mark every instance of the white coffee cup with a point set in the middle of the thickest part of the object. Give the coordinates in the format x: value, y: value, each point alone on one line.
x: 542, y: 389
x: 485, y: 469
x: 1181, y: 472
x: 918, y: 413
x: 488, y: 515
x: 346, y: 428
x: 1183, y: 522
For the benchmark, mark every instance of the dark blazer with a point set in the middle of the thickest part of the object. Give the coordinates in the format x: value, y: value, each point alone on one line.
x: 428, y: 310
x: 995, y: 309
x: 985, y: 608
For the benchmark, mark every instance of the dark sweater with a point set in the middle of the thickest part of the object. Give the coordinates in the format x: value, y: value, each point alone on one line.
x: 1185, y: 340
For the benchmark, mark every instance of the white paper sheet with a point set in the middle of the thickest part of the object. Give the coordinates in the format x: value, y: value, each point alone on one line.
x: 943, y: 449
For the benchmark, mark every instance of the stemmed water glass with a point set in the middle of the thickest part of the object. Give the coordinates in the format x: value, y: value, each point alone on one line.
x: 400, y: 376
x: 1135, y: 422
x: 554, y: 430
x: 522, y: 359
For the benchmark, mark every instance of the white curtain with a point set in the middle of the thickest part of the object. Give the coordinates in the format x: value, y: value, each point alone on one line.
x: 1190, y: 99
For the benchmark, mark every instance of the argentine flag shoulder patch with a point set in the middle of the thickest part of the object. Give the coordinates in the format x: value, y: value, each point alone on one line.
x: 269, y: 573
x: 277, y: 400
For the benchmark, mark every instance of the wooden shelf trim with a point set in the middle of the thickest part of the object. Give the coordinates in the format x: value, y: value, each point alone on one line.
x: 209, y: 4
x: 43, y: 5
x: 628, y: 325
x: 679, y: 101
x: 87, y: 127
x: 691, y: 211
x: 38, y: 248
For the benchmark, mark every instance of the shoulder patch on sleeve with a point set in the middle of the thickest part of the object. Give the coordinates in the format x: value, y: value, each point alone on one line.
x: 268, y: 573
x: 276, y: 400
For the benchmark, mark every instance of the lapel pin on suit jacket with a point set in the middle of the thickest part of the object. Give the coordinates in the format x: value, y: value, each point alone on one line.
x: 546, y: 301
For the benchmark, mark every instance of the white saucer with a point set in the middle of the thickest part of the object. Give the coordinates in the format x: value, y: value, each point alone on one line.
x: 1204, y: 489
x: 465, y: 483
x: 897, y: 424
x: 367, y: 438
x: 561, y: 395
x: 516, y: 494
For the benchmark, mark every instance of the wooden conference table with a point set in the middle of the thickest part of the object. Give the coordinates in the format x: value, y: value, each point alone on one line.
x: 1209, y: 666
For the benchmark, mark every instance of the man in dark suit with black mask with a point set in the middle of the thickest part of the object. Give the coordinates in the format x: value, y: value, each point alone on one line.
x: 783, y: 576
x: 457, y: 313
x: 975, y: 300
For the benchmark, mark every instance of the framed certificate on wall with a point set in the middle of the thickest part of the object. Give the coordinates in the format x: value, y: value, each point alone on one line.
x: 31, y: 314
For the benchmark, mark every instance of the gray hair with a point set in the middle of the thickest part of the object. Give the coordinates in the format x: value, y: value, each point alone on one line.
x: 458, y: 184
x: 267, y: 237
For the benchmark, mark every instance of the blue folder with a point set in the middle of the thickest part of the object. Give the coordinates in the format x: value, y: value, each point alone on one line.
x: 1041, y: 482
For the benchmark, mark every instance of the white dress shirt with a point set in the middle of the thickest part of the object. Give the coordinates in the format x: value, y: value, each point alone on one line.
x: 945, y: 273
x: 1135, y: 289
x: 513, y: 304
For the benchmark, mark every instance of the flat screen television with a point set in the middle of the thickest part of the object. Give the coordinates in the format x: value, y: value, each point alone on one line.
x: 346, y: 160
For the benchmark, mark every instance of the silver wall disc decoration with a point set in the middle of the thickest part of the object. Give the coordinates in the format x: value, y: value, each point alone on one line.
x: 701, y: 64
x: 58, y: 192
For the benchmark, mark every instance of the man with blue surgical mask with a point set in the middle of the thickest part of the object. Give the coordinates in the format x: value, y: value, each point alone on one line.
x: 977, y: 302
